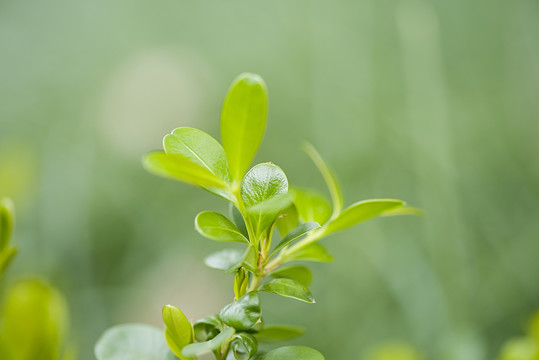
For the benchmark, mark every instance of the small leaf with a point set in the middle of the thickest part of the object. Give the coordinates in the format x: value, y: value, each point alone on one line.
x: 178, y: 332
x: 312, y: 252
x: 331, y: 180
x: 299, y: 273
x: 207, y: 328
x: 243, y: 313
x: 243, y: 122
x: 235, y: 214
x: 293, y: 353
x: 298, y: 233
x: 243, y: 346
x: 6, y: 222
x: 227, y: 260
x: 278, y: 333
x: 288, y: 220
x: 241, y: 280
x: 215, y: 226
x: 250, y: 259
x: 200, y: 148
x: 289, y: 288
x: 311, y: 205
x: 361, y: 211
x: 205, y: 347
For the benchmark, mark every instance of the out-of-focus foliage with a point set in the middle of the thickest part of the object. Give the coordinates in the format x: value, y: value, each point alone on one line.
x: 524, y: 347
x: 432, y: 101
x: 393, y: 351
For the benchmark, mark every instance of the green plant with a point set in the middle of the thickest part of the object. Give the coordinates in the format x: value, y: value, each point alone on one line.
x: 260, y: 202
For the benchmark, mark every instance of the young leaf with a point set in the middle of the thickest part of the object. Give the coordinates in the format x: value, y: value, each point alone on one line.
x: 289, y: 288
x: 298, y: 233
x: 301, y: 274
x: 250, y: 259
x: 243, y: 346
x: 205, y: 347
x: 243, y: 122
x: 312, y: 252
x: 227, y: 260
x: 311, y: 205
x: 241, y: 281
x: 361, y: 211
x: 6, y: 222
x: 331, y: 180
x: 293, y: 353
x: 288, y: 220
x: 235, y: 214
x: 178, y: 332
x: 243, y: 313
x: 215, y: 226
x: 277, y: 333
x: 207, y: 328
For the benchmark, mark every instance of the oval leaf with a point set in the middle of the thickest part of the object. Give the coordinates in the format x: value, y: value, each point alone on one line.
x: 294, y: 353
x: 311, y: 205
x: 243, y: 313
x: 312, y: 252
x: 289, y: 288
x: 227, y: 260
x: 296, y: 234
x: 215, y: 226
x: 299, y: 273
x: 133, y: 342
x: 361, y: 211
x: 205, y: 347
x: 243, y: 122
x: 275, y: 333
x: 178, y: 332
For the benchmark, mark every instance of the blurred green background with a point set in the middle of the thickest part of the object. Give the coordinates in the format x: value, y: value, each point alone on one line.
x: 431, y: 101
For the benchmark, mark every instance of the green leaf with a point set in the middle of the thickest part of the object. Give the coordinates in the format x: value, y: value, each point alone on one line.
x: 293, y: 353
x: 133, y: 342
x: 178, y: 332
x: 299, y: 273
x: 6, y: 222
x: 215, y: 226
x: 6, y: 256
x: 250, y: 259
x: 298, y: 233
x: 311, y: 205
x: 227, y: 260
x: 243, y: 122
x: 263, y: 193
x: 241, y: 281
x: 331, y: 180
x: 361, y: 211
x: 34, y: 322
x: 243, y: 346
x: 205, y: 347
x: 278, y: 333
x: 288, y: 220
x: 404, y: 210
x: 235, y: 214
x: 243, y: 313
x: 207, y: 328
x: 312, y: 252
x: 179, y: 168
x: 289, y: 288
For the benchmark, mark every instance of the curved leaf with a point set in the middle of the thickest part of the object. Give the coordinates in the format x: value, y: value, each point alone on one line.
x: 241, y: 281
x: 331, y: 181
x: 404, y: 210
x: 178, y: 332
x: 275, y: 333
x: 243, y: 346
x: 227, y: 260
x: 215, y: 226
x: 298, y: 233
x: 207, y: 328
x: 311, y: 205
x: 361, y: 211
x: 243, y: 313
x: 299, y: 273
x: 293, y: 353
x: 201, y: 348
x: 133, y: 342
x: 243, y: 122
x: 312, y: 252
x: 235, y: 214
x: 289, y: 288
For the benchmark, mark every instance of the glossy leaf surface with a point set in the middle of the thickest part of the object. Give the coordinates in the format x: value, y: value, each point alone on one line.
x: 311, y: 206
x: 361, y: 211
x: 301, y: 274
x: 243, y: 346
x: 296, y: 234
x: 243, y: 313
x: 293, y: 353
x: 207, y: 328
x: 178, y: 331
x: 289, y: 288
x: 243, y: 122
x: 205, y: 347
x: 312, y: 252
x: 215, y: 226
x: 331, y: 181
x: 274, y: 333
x: 227, y: 259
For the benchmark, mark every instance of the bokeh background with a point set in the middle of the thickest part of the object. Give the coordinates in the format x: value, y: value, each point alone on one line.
x: 431, y: 101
